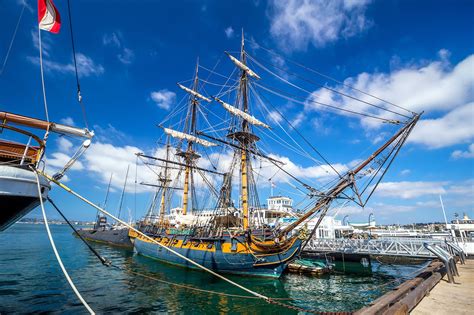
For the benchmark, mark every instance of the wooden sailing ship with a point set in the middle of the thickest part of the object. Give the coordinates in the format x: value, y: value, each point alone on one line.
x: 226, y: 240
x: 18, y: 162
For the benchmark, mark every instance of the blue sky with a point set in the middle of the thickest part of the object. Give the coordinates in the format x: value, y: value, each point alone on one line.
x: 132, y: 53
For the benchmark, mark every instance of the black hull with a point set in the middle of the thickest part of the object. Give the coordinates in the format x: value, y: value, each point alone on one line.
x: 110, y: 237
x: 13, y: 208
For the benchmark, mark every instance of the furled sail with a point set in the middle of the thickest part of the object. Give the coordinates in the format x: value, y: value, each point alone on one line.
x: 242, y: 114
x: 185, y: 136
x: 243, y: 67
x: 194, y: 93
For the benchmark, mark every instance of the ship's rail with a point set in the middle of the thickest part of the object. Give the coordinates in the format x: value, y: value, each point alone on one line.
x: 404, y: 247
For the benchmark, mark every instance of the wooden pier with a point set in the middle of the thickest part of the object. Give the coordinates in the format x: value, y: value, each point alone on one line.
x: 448, y: 298
x: 429, y: 293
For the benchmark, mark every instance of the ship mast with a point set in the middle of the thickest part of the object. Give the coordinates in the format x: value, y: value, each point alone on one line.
x: 246, y: 140
x: 190, y: 155
x: 164, y: 182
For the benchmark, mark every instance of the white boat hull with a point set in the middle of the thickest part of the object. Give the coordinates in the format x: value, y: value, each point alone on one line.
x: 18, y: 193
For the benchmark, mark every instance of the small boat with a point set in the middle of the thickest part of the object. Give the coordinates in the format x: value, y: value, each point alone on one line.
x: 104, y: 232
x: 18, y: 163
x: 309, y: 267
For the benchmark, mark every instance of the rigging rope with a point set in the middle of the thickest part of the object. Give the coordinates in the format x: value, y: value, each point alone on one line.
x: 13, y: 39
x: 332, y: 79
x: 291, y: 97
x: 53, y: 245
x: 79, y: 96
x: 323, y: 86
x: 255, y: 294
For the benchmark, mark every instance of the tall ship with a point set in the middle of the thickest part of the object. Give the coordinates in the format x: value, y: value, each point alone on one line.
x: 230, y: 236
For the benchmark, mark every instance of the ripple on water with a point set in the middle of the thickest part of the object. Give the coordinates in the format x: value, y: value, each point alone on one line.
x: 31, y: 282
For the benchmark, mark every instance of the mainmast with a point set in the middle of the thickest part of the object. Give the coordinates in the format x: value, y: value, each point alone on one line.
x: 246, y: 140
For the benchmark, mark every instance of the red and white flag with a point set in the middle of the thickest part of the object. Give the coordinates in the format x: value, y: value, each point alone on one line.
x: 48, y: 16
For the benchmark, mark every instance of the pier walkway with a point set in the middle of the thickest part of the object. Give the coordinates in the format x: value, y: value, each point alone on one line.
x: 402, y: 247
x: 447, y: 298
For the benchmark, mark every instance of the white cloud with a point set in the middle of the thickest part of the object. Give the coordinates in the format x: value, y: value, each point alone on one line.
x: 58, y: 160
x: 229, y: 32
x: 85, y: 66
x: 115, y: 39
x: 275, y: 116
x: 126, y: 56
x: 163, y: 98
x: 67, y: 121
x: 64, y: 145
x: 410, y: 190
x: 435, y: 87
x: 458, y: 154
x: 453, y: 128
x: 405, y: 172
x: 112, y: 39
x: 297, y: 23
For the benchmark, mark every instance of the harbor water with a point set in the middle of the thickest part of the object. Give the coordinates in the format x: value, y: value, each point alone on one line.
x: 32, y: 282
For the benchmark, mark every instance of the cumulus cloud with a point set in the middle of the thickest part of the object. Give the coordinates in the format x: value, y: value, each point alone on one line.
x: 163, y: 98
x: 410, y: 190
x: 453, y: 128
x: 436, y: 87
x: 469, y: 154
x: 229, y: 32
x: 297, y: 23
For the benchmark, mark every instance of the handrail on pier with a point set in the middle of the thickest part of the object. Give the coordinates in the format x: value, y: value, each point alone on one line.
x: 456, y: 250
x: 447, y: 259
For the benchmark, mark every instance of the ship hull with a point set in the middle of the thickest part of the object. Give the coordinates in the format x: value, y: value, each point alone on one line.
x: 18, y: 193
x: 118, y: 238
x: 218, y: 256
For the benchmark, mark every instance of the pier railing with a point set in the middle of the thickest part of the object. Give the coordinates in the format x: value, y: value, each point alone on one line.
x: 405, y: 247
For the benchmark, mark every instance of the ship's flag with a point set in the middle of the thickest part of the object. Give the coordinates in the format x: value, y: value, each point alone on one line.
x: 48, y: 16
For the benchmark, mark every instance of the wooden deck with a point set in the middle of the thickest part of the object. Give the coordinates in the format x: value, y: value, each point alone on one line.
x: 446, y: 298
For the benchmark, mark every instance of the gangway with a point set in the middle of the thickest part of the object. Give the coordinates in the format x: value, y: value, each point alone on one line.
x: 400, y: 247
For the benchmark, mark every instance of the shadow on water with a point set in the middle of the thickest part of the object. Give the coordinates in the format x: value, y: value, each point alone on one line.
x: 32, y: 282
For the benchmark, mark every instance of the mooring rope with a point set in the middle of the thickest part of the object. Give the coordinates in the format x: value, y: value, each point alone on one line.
x: 53, y: 245
x: 255, y: 294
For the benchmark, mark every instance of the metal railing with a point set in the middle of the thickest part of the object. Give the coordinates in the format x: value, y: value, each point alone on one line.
x: 404, y: 247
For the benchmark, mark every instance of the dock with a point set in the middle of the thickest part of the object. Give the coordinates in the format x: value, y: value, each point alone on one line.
x: 449, y: 298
